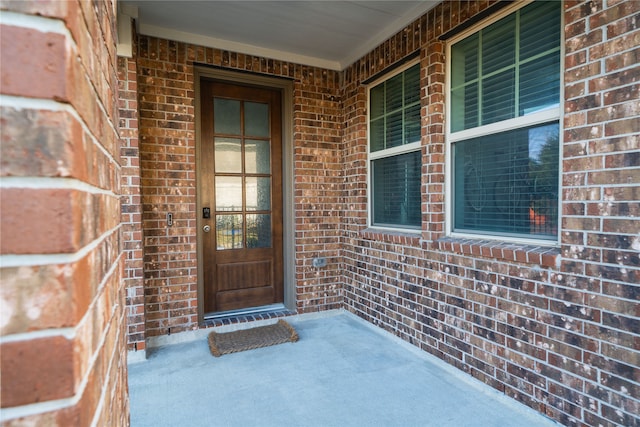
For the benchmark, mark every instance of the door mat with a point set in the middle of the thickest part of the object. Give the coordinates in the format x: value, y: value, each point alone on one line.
x: 248, y: 339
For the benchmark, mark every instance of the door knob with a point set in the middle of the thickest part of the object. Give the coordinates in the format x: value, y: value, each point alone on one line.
x: 206, y: 228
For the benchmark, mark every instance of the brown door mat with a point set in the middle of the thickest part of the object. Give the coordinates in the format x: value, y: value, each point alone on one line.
x: 248, y: 339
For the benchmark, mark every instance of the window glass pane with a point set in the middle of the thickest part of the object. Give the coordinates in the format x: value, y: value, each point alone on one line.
x: 540, y: 84
x: 377, y: 101
x: 396, y: 190
x: 535, y: 16
x: 498, y: 100
x: 465, y: 61
x: 228, y: 193
x: 393, y: 93
x: 229, y: 232
x: 464, y: 107
x: 499, y: 45
x: 228, y: 157
x: 507, y: 183
x: 226, y: 116
x: 395, y: 121
x: 257, y: 156
x: 412, y: 85
x: 412, y: 124
x: 516, y: 59
x: 258, y: 193
x: 256, y: 119
x: 258, y: 231
x: 376, y: 134
x: 394, y: 130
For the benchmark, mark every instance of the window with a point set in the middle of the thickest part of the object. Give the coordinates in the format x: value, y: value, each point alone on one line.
x: 504, y: 126
x: 394, y: 150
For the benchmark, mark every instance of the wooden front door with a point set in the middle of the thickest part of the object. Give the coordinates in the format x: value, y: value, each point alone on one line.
x: 241, y: 196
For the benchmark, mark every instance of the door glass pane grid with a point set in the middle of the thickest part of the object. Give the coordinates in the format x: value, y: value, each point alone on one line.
x: 242, y: 175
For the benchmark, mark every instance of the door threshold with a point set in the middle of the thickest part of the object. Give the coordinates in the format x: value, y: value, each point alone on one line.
x: 245, y: 311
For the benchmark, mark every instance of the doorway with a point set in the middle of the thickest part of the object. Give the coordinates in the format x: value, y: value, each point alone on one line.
x: 240, y: 209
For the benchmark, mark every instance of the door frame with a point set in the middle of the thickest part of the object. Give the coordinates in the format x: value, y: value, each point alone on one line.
x: 288, y: 224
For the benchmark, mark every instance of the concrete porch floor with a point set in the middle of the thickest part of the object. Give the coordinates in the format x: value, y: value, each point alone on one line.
x: 342, y: 372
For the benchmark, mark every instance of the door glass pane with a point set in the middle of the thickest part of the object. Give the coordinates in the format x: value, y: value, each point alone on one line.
x: 256, y: 120
x: 258, y: 193
x: 228, y: 155
x: 229, y: 232
x: 226, y: 116
x: 257, y: 157
x: 258, y: 231
x: 228, y: 193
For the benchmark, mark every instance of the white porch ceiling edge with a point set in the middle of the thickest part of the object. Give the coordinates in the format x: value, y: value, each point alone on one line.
x: 327, y: 34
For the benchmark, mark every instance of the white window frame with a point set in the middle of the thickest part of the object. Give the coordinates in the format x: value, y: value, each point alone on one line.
x: 539, y: 117
x: 394, y: 151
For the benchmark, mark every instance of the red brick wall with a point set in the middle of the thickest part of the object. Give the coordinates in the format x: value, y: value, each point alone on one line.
x: 62, y: 335
x: 167, y: 161
x: 556, y: 329
x: 131, y: 206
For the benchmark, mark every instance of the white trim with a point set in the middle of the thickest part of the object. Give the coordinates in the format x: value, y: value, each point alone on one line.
x: 181, y: 36
x: 539, y: 117
x: 124, y: 47
x: 390, y: 152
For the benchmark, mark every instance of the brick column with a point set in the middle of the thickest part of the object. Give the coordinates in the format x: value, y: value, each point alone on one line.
x: 131, y: 202
x: 62, y: 324
x: 600, y: 179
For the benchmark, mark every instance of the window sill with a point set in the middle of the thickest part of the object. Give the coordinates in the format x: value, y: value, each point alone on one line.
x: 543, y: 256
x: 389, y: 236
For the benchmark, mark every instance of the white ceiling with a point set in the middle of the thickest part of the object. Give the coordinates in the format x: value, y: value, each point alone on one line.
x: 328, y: 34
